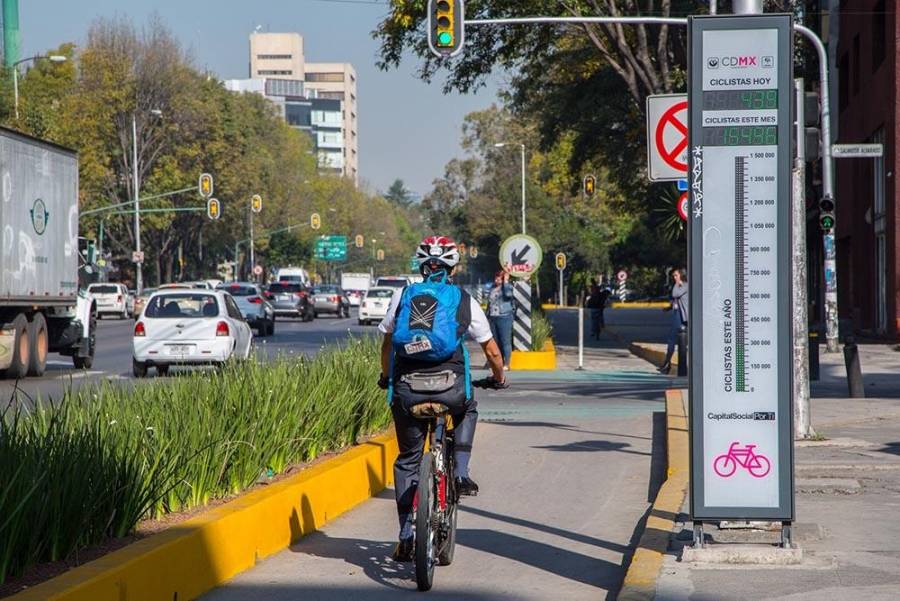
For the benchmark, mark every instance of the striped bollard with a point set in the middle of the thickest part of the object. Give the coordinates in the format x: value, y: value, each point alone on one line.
x: 623, y: 290
x: 522, y: 321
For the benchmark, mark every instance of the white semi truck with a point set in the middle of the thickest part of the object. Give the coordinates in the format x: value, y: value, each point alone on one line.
x: 42, y: 308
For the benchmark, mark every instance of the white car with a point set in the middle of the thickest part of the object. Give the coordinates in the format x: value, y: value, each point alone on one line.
x: 112, y: 299
x: 374, y: 305
x: 189, y: 327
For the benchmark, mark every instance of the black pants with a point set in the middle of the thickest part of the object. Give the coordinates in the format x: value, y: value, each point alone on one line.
x: 411, y: 438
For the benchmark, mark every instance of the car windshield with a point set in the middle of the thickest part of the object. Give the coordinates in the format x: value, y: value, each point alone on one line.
x: 327, y: 290
x: 190, y: 305
x: 393, y: 283
x: 239, y: 290
x: 103, y: 289
x: 382, y: 293
x: 148, y: 292
x: 284, y: 288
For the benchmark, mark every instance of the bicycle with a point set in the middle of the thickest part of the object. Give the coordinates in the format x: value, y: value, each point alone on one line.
x: 435, y: 505
x: 727, y: 463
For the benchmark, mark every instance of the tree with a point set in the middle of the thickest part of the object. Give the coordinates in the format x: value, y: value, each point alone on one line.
x: 398, y: 194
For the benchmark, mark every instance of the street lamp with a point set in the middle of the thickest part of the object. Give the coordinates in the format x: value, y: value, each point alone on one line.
x: 53, y: 58
x: 139, y: 272
x: 522, y: 146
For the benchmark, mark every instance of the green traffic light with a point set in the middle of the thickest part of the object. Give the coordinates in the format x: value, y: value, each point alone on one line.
x: 445, y: 38
x: 827, y: 222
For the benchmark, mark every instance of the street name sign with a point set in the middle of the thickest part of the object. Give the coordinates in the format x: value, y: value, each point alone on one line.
x: 521, y: 255
x: 331, y: 248
x: 740, y: 82
x: 667, y: 137
x: 850, y: 151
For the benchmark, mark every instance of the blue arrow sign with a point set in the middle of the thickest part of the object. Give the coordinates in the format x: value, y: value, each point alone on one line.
x: 682, y: 185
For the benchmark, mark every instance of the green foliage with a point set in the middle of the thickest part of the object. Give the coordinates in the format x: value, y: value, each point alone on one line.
x: 91, y: 466
x: 541, y: 330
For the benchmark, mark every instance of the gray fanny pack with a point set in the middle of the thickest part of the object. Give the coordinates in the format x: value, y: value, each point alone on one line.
x: 441, y: 381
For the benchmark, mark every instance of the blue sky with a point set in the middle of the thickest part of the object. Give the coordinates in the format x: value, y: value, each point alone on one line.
x: 407, y: 128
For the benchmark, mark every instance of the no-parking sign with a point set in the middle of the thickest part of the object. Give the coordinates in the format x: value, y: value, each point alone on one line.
x: 667, y: 139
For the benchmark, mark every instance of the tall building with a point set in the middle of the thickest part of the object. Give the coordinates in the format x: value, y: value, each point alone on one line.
x: 275, y: 56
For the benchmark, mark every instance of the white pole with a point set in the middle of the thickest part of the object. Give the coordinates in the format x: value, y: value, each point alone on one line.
x: 252, y: 250
x: 712, y: 7
x: 523, y: 187
x: 802, y: 426
x: 139, y: 274
x: 560, y: 287
x: 580, y: 337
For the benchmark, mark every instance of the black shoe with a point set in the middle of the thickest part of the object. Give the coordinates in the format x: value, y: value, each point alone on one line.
x: 403, y: 552
x: 665, y: 368
x: 466, y: 487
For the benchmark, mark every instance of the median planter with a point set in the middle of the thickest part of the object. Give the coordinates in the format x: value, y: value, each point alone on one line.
x: 545, y: 359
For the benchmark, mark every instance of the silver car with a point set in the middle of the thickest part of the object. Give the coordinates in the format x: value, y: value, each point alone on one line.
x: 329, y: 298
x: 254, y: 306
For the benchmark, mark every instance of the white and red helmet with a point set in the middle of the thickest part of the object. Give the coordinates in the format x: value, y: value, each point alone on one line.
x: 435, y: 252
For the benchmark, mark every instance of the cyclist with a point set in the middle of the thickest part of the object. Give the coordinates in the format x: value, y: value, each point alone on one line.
x: 412, y: 374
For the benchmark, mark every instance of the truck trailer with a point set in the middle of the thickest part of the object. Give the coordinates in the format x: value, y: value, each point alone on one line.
x: 42, y: 306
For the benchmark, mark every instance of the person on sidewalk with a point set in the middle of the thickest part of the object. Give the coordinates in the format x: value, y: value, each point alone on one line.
x: 679, y: 309
x: 500, y: 314
x: 596, y: 303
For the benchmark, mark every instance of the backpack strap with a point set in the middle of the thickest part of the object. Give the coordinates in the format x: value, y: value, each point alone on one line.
x: 463, y: 321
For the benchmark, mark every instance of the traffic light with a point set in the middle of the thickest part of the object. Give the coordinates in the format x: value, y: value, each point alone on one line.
x: 811, y: 138
x: 205, y: 185
x: 826, y: 214
x: 445, y: 27
x: 560, y: 261
x: 213, y: 208
x: 256, y: 203
x: 315, y: 221
x: 380, y: 255
x: 360, y: 240
x: 590, y: 185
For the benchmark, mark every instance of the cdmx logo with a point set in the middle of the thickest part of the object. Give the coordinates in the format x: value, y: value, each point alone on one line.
x: 740, y: 62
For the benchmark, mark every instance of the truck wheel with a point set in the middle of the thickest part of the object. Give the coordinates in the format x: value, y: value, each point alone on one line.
x: 21, y: 351
x: 88, y: 361
x: 38, y: 343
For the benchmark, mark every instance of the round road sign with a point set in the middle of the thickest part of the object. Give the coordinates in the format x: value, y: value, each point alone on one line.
x: 683, y: 206
x: 257, y: 270
x: 521, y: 255
x: 622, y: 275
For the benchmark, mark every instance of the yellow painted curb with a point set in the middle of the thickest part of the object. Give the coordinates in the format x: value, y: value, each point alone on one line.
x: 534, y: 360
x: 639, y: 305
x: 653, y: 355
x: 640, y: 580
x: 191, y: 558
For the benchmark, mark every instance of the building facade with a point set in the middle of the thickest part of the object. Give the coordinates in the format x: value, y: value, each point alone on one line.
x: 279, y: 56
x: 868, y: 246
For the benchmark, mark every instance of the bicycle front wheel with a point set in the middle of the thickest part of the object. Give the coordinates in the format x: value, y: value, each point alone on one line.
x: 425, y: 532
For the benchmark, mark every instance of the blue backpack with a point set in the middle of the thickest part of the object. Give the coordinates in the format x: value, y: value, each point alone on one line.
x: 431, y: 321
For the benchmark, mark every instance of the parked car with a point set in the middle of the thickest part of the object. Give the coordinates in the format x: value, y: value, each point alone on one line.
x: 140, y: 301
x: 375, y: 304
x: 291, y: 299
x: 112, y: 299
x: 254, y: 306
x: 393, y: 281
x: 188, y: 327
x: 329, y: 298
x: 201, y: 285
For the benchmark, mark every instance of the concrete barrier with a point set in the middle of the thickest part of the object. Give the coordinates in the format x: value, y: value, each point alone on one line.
x: 643, y: 572
x: 534, y: 360
x: 191, y: 558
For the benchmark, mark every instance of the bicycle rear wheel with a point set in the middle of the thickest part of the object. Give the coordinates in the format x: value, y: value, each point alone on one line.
x: 448, y: 540
x: 425, y: 533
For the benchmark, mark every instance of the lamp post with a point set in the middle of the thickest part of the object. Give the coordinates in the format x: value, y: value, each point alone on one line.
x: 522, y: 147
x: 139, y: 273
x: 54, y: 58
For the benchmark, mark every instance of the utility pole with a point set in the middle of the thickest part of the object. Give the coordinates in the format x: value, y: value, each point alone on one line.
x: 139, y: 274
x: 523, y: 187
x: 802, y: 426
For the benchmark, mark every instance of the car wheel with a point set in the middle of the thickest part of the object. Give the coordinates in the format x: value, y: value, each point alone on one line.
x: 38, y: 344
x: 272, y: 327
x: 21, y: 349
x: 138, y: 368
x: 124, y: 314
x: 262, y: 330
x: 162, y: 370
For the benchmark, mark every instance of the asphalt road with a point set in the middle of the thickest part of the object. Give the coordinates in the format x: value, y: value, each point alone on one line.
x: 567, y: 463
x: 113, y: 357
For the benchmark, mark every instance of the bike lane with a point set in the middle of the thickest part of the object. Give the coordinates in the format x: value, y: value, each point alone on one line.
x: 566, y: 467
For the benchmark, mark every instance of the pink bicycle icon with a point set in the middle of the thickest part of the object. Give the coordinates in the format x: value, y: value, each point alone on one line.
x: 726, y: 464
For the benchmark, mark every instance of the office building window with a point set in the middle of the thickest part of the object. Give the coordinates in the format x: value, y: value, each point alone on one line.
x: 297, y: 115
x: 271, y: 57
x: 879, y: 34
x: 275, y: 72
x: 325, y: 77
x: 331, y: 95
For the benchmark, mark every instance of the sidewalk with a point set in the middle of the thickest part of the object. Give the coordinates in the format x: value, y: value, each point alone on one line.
x: 847, y: 499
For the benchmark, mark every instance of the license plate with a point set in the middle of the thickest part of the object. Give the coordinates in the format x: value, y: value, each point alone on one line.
x: 420, y: 346
x: 284, y: 297
x: 180, y: 349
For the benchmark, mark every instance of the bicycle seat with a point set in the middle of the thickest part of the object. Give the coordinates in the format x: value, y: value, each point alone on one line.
x: 429, y: 410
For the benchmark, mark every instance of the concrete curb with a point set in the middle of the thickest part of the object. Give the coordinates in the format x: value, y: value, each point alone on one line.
x: 534, y: 360
x: 643, y: 573
x: 647, y: 352
x: 640, y: 305
x: 191, y: 558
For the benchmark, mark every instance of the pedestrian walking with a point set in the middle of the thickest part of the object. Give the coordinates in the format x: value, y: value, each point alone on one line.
x: 679, y: 308
x: 596, y: 303
x: 500, y: 314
